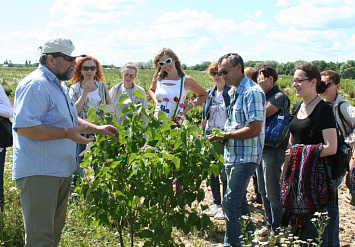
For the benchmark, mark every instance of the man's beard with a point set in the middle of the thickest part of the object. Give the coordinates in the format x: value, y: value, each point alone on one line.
x: 67, y: 75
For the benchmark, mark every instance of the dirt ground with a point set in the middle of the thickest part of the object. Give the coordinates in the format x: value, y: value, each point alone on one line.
x: 347, y: 217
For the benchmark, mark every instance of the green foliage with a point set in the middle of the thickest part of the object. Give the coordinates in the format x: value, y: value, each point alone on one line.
x: 148, y: 181
x: 11, y: 223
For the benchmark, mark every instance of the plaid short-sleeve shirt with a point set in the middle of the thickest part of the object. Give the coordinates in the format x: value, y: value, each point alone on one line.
x: 248, y: 104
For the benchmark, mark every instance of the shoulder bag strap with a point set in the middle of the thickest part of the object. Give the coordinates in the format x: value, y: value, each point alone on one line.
x: 177, y: 105
x: 285, y: 102
x: 341, y: 116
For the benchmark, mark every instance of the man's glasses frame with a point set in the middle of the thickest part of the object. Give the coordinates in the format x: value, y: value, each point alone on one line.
x: 65, y: 57
x: 167, y: 61
x: 226, y: 71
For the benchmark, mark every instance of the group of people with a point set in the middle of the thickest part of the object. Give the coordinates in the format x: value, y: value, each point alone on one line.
x: 245, y: 113
x: 51, y: 130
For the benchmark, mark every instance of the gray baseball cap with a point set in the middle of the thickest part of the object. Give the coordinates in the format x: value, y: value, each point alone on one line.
x: 61, y: 45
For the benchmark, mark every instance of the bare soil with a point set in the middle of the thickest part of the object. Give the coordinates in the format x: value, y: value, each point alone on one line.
x: 347, y: 218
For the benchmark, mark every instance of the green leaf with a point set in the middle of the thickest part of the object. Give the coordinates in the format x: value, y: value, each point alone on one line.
x: 176, y: 161
x: 184, y: 138
x: 194, y: 128
x: 139, y: 93
x: 122, y: 99
x: 125, y: 110
x: 92, y: 115
x: 162, y: 116
x: 132, y: 157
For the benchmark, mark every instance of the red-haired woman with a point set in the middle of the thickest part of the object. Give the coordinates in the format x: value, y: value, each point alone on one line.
x: 88, y: 91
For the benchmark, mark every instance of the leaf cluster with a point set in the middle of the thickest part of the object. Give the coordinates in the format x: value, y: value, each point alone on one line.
x: 149, y: 182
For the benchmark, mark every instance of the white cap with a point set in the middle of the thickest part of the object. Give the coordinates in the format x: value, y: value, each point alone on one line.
x: 61, y: 45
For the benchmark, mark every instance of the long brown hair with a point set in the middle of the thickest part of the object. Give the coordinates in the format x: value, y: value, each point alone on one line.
x: 78, y: 76
x: 159, y: 70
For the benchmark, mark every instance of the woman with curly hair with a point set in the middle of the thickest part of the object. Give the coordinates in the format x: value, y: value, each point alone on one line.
x: 88, y: 91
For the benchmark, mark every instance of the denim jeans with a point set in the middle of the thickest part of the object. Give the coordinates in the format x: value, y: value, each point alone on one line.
x: 2, y: 165
x: 215, y: 186
x: 235, y: 202
x: 333, y: 213
x: 310, y: 231
x: 269, y: 174
x: 79, y: 159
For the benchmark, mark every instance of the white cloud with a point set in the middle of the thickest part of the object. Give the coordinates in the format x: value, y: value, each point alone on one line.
x: 284, y: 3
x: 324, y: 14
x: 295, y: 44
x: 67, y: 13
x: 257, y: 14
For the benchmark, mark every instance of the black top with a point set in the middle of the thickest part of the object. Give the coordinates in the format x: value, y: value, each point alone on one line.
x: 301, y: 129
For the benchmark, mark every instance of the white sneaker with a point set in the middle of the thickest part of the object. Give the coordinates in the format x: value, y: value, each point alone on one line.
x: 220, y: 214
x: 264, y: 231
x: 212, y: 210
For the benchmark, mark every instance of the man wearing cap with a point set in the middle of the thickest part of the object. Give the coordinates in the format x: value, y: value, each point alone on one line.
x: 46, y: 132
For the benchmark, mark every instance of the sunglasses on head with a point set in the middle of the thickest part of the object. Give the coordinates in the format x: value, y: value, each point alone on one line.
x: 169, y: 60
x: 216, y: 73
x: 87, y: 68
x: 129, y: 75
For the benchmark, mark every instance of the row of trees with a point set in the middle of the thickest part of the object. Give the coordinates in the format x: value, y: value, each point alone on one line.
x: 345, y: 70
x: 10, y: 64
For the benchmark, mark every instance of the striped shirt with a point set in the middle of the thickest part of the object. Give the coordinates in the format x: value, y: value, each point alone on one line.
x: 42, y: 99
x: 248, y: 104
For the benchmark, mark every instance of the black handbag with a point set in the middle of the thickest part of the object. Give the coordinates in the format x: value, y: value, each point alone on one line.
x: 5, y: 133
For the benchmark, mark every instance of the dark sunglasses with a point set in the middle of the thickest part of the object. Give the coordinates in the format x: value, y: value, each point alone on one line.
x: 66, y: 57
x: 225, y: 71
x: 216, y: 73
x: 161, y: 64
x: 87, y: 68
x: 129, y: 75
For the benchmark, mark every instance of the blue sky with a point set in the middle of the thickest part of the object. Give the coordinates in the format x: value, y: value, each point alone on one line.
x: 120, y: 31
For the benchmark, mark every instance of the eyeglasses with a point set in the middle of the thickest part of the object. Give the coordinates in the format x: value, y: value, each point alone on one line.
x: 129, y: 75
x: 298, y: 81
x: 87, y: 68
x: 161, y: 64
x: 66, y: 57
x: 215, y: 73
x: 225, y: 71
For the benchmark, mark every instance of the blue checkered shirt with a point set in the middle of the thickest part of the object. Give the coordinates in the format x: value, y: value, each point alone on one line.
x: 248, y: 104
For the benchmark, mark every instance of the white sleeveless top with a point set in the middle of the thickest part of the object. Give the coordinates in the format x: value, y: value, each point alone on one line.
x: 168, y: 98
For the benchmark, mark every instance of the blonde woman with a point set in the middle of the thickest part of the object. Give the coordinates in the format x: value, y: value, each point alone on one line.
x: 170, y: 86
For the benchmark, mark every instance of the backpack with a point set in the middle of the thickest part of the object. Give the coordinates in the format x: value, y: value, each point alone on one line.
x: 339, y: 161
x: 276, y: 126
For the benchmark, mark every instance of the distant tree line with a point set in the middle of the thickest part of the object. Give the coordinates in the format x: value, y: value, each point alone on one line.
x: 345, y: 70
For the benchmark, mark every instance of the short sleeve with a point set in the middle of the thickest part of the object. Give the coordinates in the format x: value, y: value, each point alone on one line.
x: 31, y: 105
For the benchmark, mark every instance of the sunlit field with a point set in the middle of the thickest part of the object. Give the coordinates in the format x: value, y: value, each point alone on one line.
x: 79, y: 229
